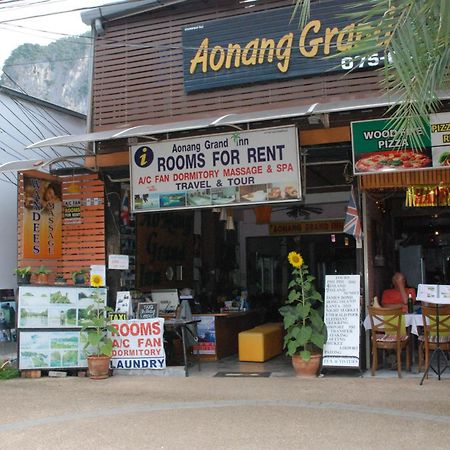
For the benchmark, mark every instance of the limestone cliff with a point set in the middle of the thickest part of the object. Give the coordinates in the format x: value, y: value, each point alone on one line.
x: 57, y: 73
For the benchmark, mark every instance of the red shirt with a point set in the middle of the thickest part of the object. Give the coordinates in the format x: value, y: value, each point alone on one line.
x: 393, y: 297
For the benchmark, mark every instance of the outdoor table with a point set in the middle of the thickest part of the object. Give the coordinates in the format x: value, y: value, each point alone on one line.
x: 181, y: 324
x: 437, y: 352
x: 411, y: 320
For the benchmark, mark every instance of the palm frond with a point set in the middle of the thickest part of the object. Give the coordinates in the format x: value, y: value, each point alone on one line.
x: 414, y: 37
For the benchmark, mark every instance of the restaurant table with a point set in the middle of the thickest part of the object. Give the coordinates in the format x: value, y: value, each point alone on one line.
x: 182, y: 325
x: 438, y: 354
x: 411, y: 320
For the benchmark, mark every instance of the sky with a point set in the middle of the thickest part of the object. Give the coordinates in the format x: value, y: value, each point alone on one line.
x: 53, y: 27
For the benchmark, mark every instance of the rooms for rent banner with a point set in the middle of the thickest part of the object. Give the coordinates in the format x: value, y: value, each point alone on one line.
x: 230, y: 169
x: 42, y: 218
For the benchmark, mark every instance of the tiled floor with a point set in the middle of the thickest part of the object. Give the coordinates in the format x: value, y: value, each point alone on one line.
x: 281, y: 367
x: 276, y: 367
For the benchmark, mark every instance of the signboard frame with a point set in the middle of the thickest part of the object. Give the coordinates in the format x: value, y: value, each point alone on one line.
x: 355, y: 280
x: 249, y: 167
x: 264, y: 46
x: 141, y: 310
x: 388, y: 143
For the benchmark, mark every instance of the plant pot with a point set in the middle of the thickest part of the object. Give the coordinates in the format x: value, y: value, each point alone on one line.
x: 42, y: 278
x: 24, y: 279
x: 306, y: 368
x: 98, y: 367
x: 79, y: 279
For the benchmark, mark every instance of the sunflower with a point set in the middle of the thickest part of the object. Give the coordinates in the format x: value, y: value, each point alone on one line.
x: 96, y: 280
x: 295, y: 259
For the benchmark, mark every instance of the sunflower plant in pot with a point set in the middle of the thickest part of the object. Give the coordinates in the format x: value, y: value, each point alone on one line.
x: 96, y: 334
x: 303, y: 319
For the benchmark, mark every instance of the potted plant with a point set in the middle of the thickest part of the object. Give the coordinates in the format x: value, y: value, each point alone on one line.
x: 41, y: 275
x: 59, y: 279
x: 79, y: 276
x: 97, y: 341
x: 23, y: 275
x: 303, y: 319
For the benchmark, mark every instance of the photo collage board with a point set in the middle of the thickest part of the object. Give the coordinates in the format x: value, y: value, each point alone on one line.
x: 48, y: 318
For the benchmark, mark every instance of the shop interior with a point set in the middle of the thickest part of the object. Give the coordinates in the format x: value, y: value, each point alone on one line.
x: 412, y: 240
x: 205, y: 250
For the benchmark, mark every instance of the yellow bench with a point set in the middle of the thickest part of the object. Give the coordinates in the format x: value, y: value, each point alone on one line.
x: 261, y: 343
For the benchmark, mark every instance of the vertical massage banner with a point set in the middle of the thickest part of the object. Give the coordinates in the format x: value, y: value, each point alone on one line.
x: 42, y: 219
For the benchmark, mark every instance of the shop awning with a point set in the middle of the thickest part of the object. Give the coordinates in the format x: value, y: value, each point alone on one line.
x: 235, y: 120
x: 71, y: 139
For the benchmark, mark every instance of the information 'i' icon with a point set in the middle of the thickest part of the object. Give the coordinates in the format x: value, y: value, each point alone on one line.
x: 143, y: 156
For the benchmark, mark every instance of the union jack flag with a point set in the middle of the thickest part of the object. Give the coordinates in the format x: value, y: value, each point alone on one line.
x: 352, y: 224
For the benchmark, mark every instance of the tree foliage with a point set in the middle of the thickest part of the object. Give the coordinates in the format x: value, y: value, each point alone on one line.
x: 415, y: 38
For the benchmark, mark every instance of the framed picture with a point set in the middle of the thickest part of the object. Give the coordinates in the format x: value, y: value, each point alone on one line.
x: 147, y: 310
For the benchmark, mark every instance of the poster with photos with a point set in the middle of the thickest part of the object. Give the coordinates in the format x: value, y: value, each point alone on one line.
x: 55, y: 306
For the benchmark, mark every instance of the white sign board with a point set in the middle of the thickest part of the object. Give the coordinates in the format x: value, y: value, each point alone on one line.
x: 230, y: 169
x: 138, y: 344
x: 440, y: 139
x: 118, y: 262
x: 123, y: 302
x: 434, y: 293
x: 342, y: 305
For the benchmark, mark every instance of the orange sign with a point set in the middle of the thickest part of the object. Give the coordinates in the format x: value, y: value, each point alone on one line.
x: 309, y: 227
x: 428, y: 196
x: 42, y: 219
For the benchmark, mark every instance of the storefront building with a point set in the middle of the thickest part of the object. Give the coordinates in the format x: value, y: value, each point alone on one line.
x: 221, y: 132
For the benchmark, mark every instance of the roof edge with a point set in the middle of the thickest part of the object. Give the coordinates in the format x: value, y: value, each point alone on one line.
x: 124, y: 9
x: 38, y: 101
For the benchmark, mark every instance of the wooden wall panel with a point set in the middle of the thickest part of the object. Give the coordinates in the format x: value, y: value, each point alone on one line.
x: 83, y: 243
x: 142, y: 81
x: 404, y: 179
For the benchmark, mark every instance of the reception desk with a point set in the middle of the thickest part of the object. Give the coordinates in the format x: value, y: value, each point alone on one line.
x: 218, y: 333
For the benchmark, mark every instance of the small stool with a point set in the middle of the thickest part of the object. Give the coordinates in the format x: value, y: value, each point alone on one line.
x: 261, y: 343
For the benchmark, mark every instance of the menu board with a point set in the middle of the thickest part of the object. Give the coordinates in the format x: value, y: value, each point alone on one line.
x: 434, y: 293
x: 342, y: 309
x: 147, y: 310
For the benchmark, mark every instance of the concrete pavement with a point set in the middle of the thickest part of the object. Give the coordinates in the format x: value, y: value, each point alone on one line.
x: 335, y: 412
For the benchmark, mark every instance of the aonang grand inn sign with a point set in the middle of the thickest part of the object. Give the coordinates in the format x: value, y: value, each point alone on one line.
x: 267, y: 45
x: 229, y: 169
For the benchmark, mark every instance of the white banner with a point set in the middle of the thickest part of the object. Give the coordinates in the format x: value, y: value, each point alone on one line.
x: 230, y: 169
x: 138, y: 344
x: 440, y: 139
x: 342, y: 300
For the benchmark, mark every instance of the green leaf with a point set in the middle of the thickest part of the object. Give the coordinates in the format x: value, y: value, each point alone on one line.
x: 304, y: 335
x: 316, y: 320
x: 302, y: 310
x: 292, y: 348
x: 305, y: 355
x: 318, y: 340
x: 106, y: 348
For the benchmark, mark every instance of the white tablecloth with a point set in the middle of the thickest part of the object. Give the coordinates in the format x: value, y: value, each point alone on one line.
x: 411, y: 320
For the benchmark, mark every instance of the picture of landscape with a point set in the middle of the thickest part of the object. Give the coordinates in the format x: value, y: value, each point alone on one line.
x: 55, y: 307
x: 61, y: 349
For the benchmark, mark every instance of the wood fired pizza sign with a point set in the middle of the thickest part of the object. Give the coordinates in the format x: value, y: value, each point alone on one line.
x: 379, y: 147
x: 42, y: 219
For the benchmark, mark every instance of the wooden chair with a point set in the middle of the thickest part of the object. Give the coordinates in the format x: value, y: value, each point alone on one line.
x: 428, y: 341
x: 389, y: 333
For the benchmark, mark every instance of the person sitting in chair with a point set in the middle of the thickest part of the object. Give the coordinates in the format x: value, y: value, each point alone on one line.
x: 398, y: 294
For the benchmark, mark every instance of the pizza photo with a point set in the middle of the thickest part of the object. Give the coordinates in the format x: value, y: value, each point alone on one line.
x: 392, y: 160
